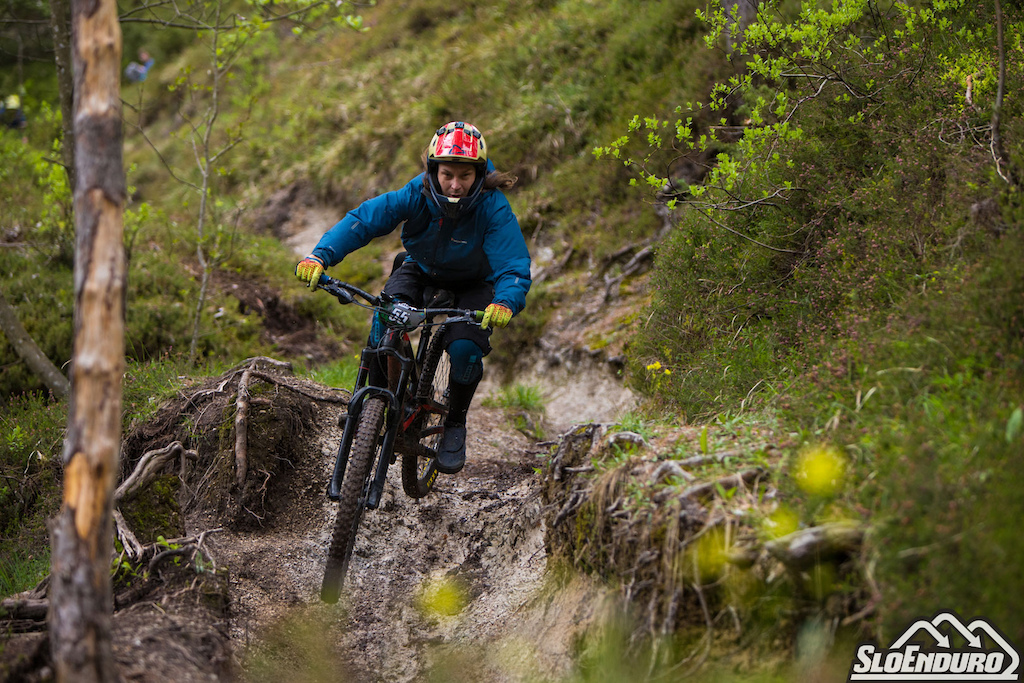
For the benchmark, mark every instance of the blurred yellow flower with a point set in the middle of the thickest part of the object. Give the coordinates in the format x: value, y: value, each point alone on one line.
x: 709, y: 555
x: 782, y: 522
x: 820, y: 470
x: 444, y: 597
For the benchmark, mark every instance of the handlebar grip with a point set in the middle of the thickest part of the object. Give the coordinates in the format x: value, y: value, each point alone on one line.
x: 478, y: 316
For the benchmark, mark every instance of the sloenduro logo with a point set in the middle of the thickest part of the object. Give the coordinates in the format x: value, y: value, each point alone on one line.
x: 985, y: 655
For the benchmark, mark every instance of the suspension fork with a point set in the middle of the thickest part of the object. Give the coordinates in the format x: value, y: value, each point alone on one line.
x: 393, y: 397
x: 362, y: 391
x: 355, y: 410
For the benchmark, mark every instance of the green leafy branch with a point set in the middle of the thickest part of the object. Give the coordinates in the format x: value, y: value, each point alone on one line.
x: 849, y: 53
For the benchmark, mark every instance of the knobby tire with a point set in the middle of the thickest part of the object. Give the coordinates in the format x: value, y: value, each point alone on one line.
x: 419, y: 473
x: 362, y: 455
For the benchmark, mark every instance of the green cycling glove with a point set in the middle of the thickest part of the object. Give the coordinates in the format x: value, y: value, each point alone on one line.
x: 309, y: 271
x: 496, y: 315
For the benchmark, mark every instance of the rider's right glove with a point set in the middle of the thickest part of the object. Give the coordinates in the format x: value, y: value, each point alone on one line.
x: 309, y: 271
x: 496, y: 315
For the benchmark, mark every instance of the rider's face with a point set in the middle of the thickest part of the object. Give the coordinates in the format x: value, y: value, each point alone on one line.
x: 456, y: 179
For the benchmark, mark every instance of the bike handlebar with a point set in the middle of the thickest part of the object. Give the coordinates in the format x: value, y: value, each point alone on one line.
x: 346, y: 293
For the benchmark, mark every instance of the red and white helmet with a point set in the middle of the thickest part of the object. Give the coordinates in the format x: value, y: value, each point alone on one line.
x: 456, y: 142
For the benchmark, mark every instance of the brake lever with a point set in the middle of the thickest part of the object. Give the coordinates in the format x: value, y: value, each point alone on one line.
x: 330, y: 286
x: 343, y: 295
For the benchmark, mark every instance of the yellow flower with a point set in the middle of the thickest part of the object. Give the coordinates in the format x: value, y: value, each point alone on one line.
x: 441, y: 597
x: 781, y: 522
x: 820, y: 470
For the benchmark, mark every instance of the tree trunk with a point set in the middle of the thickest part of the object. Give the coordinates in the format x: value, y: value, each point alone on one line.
x: 1004, y: 168
x: 60, y: 28
x: 81, y: 601
x: 29, y: 352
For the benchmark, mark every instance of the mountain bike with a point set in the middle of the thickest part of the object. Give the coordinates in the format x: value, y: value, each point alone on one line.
x: 398, y: 406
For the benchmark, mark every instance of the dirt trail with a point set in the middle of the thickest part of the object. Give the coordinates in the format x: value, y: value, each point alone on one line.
x: 478, y: 535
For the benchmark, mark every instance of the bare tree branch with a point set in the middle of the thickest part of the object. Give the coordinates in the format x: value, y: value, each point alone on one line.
x: 30, y: 353
x: 725, y: 227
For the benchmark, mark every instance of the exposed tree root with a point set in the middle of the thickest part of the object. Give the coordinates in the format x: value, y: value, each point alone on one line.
x: 18, y: 609
x: 190, y: 548
x: 742, y: 479
x: 146, y: 470
x: 131, y: 545
x: 805, y: 548
x: 27, y: 612
x: 245, y: 427
x: 242, y: 425
x: 641, y: 260
x: 670, y: 539
x: 149, y: 467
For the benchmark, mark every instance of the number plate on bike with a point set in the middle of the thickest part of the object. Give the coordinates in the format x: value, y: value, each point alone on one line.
x: 404, y: 316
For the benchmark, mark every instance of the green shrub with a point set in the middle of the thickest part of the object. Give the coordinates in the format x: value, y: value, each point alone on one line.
x: 929, y: 409
x: 827, y: 211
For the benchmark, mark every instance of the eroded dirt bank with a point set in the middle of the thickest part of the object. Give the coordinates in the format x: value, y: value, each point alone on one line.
x: 458, y: 586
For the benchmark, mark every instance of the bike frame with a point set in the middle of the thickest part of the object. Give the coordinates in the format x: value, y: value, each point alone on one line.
x: 392, y: 346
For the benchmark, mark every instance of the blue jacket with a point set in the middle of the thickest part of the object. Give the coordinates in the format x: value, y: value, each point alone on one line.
x: 485, y: 244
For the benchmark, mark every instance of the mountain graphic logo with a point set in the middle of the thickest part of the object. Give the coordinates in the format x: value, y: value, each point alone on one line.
x: 940, y: 649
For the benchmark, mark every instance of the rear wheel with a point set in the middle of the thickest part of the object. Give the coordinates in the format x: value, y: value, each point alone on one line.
x: 419, y: 470
x: 362, y: 455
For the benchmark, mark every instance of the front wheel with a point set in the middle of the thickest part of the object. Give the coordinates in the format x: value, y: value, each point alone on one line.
x: 419, y: 465
x: 352, y: 500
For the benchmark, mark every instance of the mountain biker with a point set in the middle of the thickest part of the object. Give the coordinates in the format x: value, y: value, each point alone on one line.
x: 11, y: 113
x: 136, y: 72
x: 460, y: 234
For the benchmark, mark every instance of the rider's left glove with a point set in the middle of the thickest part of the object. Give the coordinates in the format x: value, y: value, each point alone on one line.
x: 309, y: 271
x: 496, y: 315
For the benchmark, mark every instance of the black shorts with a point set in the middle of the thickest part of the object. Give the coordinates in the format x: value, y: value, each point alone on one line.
x: 409, y: 283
